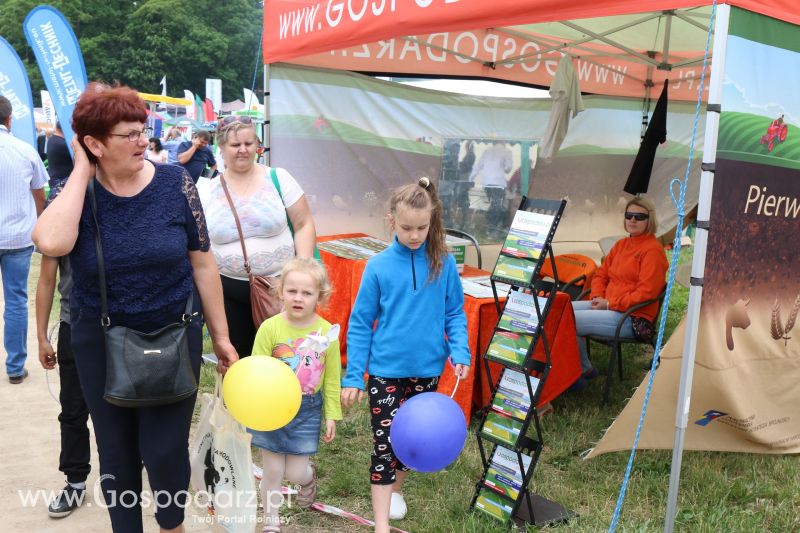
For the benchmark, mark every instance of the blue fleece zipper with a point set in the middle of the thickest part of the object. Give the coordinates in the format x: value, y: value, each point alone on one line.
x: 413, y: 270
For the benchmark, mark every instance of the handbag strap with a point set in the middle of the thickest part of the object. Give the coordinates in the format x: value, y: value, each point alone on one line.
x: 274, y: 175
x: 238, y: 224
x: 101, y: 268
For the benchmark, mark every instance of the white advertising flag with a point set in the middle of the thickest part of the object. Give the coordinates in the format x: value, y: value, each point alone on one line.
x: 214, y: 92
x: 190, y: 111
x: 48, y: 109
x: 251, y: 100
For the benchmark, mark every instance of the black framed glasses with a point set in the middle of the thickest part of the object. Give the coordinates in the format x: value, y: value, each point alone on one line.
x: 231, y: 119
x: 134, y: 135
x: 637, y: 216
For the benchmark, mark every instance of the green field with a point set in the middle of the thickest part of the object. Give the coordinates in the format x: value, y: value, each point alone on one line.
x: 668, y: 149
x: 740, y: 135
x: 307, y: 127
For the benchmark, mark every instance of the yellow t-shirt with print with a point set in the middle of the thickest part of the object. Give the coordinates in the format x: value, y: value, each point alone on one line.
x: 315, y: 370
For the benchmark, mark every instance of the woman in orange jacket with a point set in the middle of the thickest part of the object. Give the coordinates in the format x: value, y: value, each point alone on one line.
x: 632, y: 272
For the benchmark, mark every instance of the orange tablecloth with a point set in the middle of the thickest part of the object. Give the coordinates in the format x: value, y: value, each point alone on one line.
x: 345, y: 275
x: 559, y: 329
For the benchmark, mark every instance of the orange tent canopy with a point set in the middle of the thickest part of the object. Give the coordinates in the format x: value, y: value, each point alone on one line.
x: 617, y: 44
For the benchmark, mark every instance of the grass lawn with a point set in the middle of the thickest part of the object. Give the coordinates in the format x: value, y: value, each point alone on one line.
x: 720, y: 492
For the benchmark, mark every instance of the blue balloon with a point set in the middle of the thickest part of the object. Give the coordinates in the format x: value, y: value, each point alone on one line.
x: 428, y: 432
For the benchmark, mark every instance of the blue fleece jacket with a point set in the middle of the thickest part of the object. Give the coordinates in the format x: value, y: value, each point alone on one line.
x: 413, y: 316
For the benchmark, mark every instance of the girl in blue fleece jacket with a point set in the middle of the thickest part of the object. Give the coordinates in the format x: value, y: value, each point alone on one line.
x: 413, y: 290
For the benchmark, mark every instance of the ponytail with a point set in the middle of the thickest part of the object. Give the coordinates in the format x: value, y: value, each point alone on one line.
x: 423, y: 195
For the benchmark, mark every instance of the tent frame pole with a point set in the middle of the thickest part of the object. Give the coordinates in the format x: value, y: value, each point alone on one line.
x: 698, y: 263
x: 609, y: 42
x: 681, y: 14
x: 562, y: 47
x: 266, y: 130
x: 568, y: 43
x: 667, y: 32
x: 690, y: 62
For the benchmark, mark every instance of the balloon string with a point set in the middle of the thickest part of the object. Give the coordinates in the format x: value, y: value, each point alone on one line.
x: 330, y: 509
x: 325, y: 508
x: 458, y: 380
x: 49, y: 388
x: 52, y: 338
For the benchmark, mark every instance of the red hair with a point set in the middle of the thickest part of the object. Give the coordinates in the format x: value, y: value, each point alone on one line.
x: 101, y: 107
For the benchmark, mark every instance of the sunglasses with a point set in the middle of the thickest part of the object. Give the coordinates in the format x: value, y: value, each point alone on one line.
x: 230, y: 119
x: 637, y: 216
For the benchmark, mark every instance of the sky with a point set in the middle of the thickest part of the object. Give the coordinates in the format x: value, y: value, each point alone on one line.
x: 761, y: 79
x: 479, y: 88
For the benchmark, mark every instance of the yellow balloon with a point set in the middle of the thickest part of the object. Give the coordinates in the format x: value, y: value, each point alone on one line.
x: 261, y: 392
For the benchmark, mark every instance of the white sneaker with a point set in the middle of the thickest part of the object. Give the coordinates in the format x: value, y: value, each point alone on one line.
x: 397, y: 509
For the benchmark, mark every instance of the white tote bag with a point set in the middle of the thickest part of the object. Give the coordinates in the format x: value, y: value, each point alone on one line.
x: 200, y: 447
x: 234, y: 493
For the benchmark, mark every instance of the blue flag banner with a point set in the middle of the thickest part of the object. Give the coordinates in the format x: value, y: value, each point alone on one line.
x: 60, y: 60
x: 15, y: 86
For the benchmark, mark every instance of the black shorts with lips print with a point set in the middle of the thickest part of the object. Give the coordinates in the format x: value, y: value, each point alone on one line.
x: 386, y: 395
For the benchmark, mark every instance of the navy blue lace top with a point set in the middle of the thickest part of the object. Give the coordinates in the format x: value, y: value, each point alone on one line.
x: 145, y: 240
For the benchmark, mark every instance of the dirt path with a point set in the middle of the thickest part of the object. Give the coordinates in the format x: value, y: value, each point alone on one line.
x: 29, y: 448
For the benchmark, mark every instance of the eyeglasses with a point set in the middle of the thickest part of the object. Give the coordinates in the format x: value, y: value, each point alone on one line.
x: 134, y: 135
x: 638, y: 216
x: 230, y: 119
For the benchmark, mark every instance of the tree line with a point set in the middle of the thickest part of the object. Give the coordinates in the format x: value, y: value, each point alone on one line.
x: 138, y: 42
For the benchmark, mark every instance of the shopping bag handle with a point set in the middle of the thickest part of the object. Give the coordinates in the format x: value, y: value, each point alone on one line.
x: 227, y: 418
x: 217, y: 386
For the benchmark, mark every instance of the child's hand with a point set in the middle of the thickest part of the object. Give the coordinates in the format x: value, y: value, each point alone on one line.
x: 461, y: 371
x: 330, y: 431
x: 349, y: 395
x: 47, y: 355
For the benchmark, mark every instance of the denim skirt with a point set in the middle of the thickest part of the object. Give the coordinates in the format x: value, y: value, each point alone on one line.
x: 298, y: 437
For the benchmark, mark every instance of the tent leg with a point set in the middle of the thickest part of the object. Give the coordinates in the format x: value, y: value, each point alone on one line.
x: 265, y: 132
x: 698, y: 264
x: 612, y: 359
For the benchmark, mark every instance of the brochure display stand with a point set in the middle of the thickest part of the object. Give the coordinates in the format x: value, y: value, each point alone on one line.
x: 510, y: 436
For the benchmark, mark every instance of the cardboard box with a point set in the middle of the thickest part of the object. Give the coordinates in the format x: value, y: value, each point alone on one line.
x: 458, y: 248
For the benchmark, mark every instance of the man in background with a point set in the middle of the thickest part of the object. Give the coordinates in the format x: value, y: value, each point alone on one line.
x: 195, y: 155
x: 22, y: 181
x: 59, y: 160
x: 493, y: 165
x: 73, y: 460
x: 41, y: 143
x: 171, y: 145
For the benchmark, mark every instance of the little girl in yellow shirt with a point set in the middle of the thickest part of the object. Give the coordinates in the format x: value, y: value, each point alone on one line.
x: 310, y: 346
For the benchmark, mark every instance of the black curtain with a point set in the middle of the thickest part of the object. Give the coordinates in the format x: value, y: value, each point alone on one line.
x: 639, y: 177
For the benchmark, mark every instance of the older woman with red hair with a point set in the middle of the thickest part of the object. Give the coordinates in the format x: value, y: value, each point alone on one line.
x: 156, y: 252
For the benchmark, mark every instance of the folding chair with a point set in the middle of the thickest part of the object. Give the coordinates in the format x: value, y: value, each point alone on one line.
x: 578, y: 271
x: 607, y: 243
x: 616, y: 341
x: 464, y: 235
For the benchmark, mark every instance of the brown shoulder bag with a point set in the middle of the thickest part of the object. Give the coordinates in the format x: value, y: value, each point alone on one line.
x: 264, y: 299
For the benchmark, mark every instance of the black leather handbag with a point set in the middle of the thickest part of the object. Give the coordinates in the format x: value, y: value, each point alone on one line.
x: 143, y: 369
